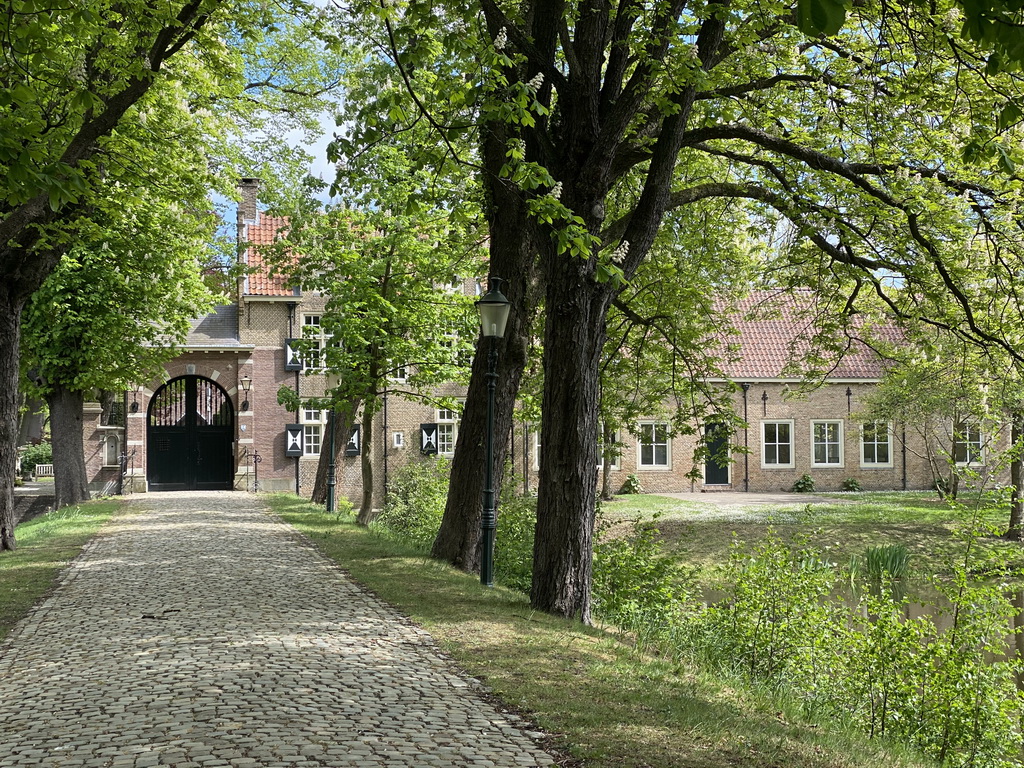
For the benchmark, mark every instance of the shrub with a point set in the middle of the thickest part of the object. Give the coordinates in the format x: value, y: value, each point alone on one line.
x: 804, y: 485
x: 513, y: 548
x: 778, y: 620
x: 415, y: 503
x: 636, y: 586
x: 851, y: 484
x: 41, y: 453
x: 632, y: 485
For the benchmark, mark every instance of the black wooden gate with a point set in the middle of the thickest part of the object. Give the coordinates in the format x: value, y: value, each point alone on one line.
x: 716, y: 464
x: 189, y: 438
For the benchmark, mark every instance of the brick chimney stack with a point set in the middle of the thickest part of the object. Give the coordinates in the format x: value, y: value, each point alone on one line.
x: 248, y: 213
x: 249, y: 190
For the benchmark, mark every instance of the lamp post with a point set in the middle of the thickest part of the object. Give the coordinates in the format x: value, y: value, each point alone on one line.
x: 494, y: 308
x: 332, y: 480
x: 134, y: 407
x: 246, y: 384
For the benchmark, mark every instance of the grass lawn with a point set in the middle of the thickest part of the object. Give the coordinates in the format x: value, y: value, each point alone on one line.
x: 45, y: 545
x: 607, y: 704
x: 842, y: 525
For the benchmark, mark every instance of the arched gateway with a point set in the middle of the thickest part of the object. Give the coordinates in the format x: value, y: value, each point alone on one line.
x: 189, y: 436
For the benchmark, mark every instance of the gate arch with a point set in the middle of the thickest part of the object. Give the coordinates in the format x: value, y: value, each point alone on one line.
x: 190, y: 432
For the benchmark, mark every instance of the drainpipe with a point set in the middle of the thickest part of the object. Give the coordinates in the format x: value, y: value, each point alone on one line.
x: 903, y: 451
x: 121, y: 463
x: 746, y: 442
x: 384, y: 443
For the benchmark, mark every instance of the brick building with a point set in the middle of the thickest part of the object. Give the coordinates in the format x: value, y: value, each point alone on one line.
x: 213, y: 420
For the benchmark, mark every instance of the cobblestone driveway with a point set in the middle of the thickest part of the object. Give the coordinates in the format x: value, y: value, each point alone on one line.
x: 200, y: 632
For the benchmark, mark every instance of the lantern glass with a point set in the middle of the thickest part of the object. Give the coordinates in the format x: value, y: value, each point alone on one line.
x: 494, y: 310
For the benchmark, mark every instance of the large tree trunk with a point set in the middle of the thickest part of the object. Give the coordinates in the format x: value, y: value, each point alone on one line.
x: 512, y: 257
x: 344, y: 414
x: 574, y: 336
x: 10, y: 335
x: 366, y: 512
x: 69, y: 478
x: 1014, y: 530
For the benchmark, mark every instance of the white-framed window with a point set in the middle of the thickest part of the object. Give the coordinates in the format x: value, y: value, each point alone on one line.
x: 398, y: 439
x: 313, y: 428
x: 777, y: 444
x: 401, y: 374
x: 313, y: 358
x: 875, y: 444
x: 968, y: 443
x: 827, y: 443
x: 112, y: 450
x: 447, y: 431
x: 654, y: 449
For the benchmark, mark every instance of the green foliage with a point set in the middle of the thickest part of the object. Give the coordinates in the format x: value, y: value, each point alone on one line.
x: 513, y: 547
x: 804, y: 484
x: 41, y: 453
x: 636, y: 585
x: 415, y: 502
x: 778, y: 620
x: 949, y: 692
x: 891, y: 561
x: 851, y: 484
x: 632, y: 485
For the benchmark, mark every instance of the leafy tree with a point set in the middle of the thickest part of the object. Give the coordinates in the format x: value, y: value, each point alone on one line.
x: 111, y: 311
x: 995, y: 25
x: 958, y: 400
x: 393, y: 265
x: 77, y: 84
x: 595, y: 120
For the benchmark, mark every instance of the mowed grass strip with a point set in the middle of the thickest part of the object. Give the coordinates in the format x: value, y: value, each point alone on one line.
x: 45, y: 545
x: 606, y: 704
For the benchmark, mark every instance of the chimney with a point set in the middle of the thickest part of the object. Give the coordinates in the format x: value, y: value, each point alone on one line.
x: 249, y: 190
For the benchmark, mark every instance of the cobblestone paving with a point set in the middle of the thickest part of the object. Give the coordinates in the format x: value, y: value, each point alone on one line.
x: 200, y: 632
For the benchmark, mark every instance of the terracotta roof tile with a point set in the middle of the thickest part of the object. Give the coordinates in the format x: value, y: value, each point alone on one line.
x: 773, y: 337
x: 259, y: 281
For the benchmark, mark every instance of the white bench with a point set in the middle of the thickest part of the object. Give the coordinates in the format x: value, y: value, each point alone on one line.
x: 44, y: 470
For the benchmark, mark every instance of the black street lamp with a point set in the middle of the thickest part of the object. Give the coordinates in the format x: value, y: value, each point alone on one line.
x: 494, y: 308
x: 246, y: 384
x: 331, y: 479
x: 332, y: 382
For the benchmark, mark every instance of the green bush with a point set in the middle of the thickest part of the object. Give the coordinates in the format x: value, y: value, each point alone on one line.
x: 851, y: 484
x: 804, y: 485
x: 636, y: 586
x: 632, y: 485
x: 36, y: 454
x: 415, y: 503
x: 513, y: 547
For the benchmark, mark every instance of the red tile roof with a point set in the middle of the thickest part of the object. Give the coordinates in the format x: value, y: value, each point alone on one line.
x: 261, y: 279
x: 774, y: 337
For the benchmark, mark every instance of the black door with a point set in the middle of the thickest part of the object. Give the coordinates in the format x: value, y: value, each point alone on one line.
x: 189, y: 437
x: 716, y: 465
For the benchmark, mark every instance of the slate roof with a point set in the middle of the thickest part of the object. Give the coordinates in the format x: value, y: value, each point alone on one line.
x: 217, y: 329
x: 774, y: 332
x: 266, y: 230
